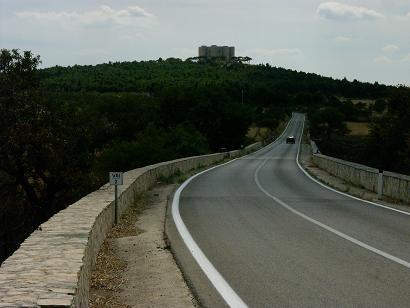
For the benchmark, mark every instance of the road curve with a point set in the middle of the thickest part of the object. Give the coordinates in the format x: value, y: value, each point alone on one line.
x: 279, y: 239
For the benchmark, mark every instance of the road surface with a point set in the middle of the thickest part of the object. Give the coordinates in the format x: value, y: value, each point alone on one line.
x: 269, y: 236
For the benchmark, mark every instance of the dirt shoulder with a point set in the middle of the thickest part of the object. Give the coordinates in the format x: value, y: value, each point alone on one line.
x: 134, y: 266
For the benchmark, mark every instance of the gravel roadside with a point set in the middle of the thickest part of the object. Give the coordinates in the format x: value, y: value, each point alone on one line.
x: 134, y: 266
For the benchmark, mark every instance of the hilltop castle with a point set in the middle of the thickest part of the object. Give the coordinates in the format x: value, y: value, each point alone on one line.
x: 216, y: 52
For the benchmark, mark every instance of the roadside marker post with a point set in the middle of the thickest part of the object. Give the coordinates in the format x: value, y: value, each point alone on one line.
x: 380, y: 185
x: 116, y: 179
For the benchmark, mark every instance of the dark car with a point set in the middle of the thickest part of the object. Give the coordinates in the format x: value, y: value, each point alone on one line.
x: 290, y: 139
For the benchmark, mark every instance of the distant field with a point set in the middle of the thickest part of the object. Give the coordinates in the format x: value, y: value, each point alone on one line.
x: 258, y: 133
x: 358, y: 128
x: 367, y: 102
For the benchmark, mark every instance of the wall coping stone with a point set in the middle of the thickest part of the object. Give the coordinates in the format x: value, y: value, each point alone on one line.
x: 364, y: 167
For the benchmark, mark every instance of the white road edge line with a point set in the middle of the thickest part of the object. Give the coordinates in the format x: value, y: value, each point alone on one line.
x: 220, y: 284
x: 337, y: 191
x: 326, y: 227
x: 224, y: 289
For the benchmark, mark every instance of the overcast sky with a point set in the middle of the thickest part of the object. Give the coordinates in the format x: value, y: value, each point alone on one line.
x: 368, y: 40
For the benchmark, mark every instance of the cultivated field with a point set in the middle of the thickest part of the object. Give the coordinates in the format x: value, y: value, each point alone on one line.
x: 258, y: 133
x: 358, y: 128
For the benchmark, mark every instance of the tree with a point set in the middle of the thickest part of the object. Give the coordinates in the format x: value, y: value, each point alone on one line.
x: 327, y: 121
x: 21, y: 116
x: 390, y: 135
x: 380, y: 105
x: 43, y: 155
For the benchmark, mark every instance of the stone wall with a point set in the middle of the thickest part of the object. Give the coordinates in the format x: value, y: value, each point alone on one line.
x: 252, y: 147
x: 396, y: 186
x: 52, y: 267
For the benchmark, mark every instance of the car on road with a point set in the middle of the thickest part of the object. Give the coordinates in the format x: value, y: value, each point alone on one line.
x: 290, y: 139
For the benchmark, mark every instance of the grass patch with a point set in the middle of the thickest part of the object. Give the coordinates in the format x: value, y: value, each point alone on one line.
x: 258, y: 133
x: 367, y: 102
x: 125, y: 226
x: 170, y: 179
x: 358, y: 128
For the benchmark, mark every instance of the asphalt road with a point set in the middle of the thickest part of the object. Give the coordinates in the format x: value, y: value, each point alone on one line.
x: 279, y: 239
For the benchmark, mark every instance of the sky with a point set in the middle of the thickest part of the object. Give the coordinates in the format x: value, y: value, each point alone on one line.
x: 367, y: 40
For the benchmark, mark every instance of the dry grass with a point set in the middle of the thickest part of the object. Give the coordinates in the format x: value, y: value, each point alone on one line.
x: 358, y: 128
x: 258, y: 133
x: 106, y: 277
x: 367, y: 102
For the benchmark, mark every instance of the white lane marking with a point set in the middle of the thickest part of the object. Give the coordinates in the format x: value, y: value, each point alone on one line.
x: 266, y: 158
x: 326, y: 227
x: 330, y: 229
x: 339, y: 192
x: 220, y: 284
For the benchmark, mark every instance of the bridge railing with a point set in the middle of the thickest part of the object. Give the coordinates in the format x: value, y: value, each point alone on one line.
x: 395, y: 185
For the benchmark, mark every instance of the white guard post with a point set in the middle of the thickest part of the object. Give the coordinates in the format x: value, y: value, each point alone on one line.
x: 380, y: 185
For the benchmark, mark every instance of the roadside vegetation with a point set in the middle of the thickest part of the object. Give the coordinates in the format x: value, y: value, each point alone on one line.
x: 374, y: 133
x: 64, y: 128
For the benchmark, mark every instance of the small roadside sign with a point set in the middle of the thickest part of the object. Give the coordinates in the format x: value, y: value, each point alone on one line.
x: 116, y: 178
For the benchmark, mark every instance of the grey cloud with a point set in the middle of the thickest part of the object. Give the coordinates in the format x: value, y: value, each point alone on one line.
x: 136, y: 11
x: 133, y: 15
x: 390, y: 48
x: 406, y: 58
x: 345, y: 12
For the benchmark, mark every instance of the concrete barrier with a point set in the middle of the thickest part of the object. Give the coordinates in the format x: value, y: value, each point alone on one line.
x: 396, y: 186
x: 53, y: 265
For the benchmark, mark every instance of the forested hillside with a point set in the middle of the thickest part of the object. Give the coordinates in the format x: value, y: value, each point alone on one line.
x: 260, y: 94
x: 154, y: 76
x: 64, y: 128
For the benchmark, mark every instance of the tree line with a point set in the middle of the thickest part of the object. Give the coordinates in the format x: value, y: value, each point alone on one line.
x: 387, y: 147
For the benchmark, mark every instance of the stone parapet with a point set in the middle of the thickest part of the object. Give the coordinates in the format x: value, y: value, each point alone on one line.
x: 53, y: 265
x: 396, y: 186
